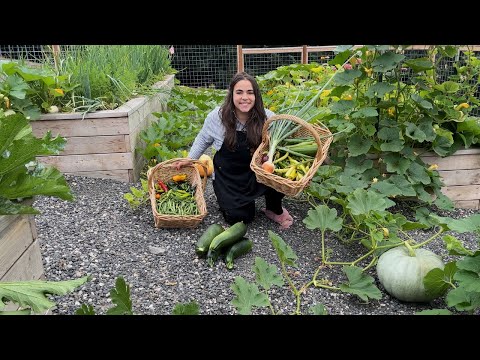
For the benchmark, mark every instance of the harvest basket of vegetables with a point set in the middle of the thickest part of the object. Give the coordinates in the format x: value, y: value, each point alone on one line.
x: 290, y: 153
x: 177, y: 196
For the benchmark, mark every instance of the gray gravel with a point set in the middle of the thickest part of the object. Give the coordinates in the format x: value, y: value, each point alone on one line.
x: 100, y: 235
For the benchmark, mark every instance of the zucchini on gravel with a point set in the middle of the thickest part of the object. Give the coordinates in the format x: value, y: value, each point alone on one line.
x: 238, y: 249
x: 229, y: 237
x: 206, y: 238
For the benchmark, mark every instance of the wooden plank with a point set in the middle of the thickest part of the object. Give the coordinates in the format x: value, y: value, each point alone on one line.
x: 120, y: 175
x: 14, y: 240
x: 6, y: 221
x: 33, y: 226
x: 101, y: 114
x: 467, y: 204
x: 462, y: 192
x: 454, y: 162
x: 78, y: 145
x: 91, y: 162
x: 460, y: 177
x: 87, y: 127
x: 28, y: 267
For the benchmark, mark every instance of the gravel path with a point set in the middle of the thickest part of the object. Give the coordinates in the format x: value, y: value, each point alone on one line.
x: 100, y: 235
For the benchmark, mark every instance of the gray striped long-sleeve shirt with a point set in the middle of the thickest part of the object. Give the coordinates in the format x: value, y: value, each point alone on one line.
x: 212, y: 133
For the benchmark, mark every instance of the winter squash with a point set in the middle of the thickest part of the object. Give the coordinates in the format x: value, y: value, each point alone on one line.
x: 208, y: 162
x: 401, y: 274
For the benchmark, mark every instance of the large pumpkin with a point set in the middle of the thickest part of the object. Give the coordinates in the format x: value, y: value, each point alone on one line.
x: 402, y: 274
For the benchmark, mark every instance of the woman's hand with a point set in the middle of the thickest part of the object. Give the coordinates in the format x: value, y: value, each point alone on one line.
x: 181, y: 163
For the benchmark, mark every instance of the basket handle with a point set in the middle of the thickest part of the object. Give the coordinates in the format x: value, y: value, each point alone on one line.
x: 171, y: 162
x: 306, y: 125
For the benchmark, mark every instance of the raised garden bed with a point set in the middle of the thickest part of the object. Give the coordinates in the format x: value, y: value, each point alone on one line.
x: 103, y: 143
x: 20, y: 256
x: 461, y: 174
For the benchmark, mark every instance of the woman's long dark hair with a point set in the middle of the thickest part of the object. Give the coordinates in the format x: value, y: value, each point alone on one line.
x: 254, y: 124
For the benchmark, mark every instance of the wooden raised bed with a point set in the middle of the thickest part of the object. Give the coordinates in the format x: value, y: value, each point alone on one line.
x: 20, y: 256
x: 103, y: 143
x: 461, y: 174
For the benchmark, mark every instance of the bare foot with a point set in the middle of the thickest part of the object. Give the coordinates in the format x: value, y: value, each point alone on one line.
x: 284, y: 219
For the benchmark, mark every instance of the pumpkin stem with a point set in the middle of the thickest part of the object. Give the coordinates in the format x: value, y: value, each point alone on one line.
x: 411, y: 251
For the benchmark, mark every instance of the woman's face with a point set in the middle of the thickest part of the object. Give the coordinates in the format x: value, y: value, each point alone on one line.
x: 243, y: 96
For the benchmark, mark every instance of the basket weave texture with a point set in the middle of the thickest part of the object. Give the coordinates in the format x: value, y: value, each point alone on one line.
x: 323, y: 138
x: 164, y: 172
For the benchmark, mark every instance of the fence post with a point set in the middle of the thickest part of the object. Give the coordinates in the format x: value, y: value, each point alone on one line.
x: 240, y: 66
x: 304, y: 54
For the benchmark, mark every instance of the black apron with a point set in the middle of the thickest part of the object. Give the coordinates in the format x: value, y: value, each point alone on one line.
x: 235, y: 183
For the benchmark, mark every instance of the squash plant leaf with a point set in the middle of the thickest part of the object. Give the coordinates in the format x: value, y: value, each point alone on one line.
x: 386, y: 188
x: 45, y: 180
x: 8, y: 207
x: 284, y: 252
x: 247, y: 296
x: 434, y: 312
x: 438, y: 281
x: 365, y: 112
x: 120, y: 296
x: 396, y: 163
x: 342, y: 107
x: 379, y: 90
x: 418, y: 173
x: 266, y: 274
x: 323, y: 218
x: 318, y: 309
x: 32, y: 293
x: 419, y: 64
x: 455, y: 246
x: 360, y: 284
x: 85, y: 309
x: 346, y: 77
x: 387, y: 61
x: 191, y: 308
x: 463, y: 300
x: 358, y: 145
x: 362, y: 202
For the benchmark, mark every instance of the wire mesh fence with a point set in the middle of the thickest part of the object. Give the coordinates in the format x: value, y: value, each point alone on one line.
x: 214, y: 65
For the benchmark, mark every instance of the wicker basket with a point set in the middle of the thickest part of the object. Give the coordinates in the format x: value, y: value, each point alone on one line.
x: 283, y: 185
x: 164, y: 172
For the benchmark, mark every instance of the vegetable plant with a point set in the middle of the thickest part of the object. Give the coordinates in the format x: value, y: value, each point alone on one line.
x: 21, y: 175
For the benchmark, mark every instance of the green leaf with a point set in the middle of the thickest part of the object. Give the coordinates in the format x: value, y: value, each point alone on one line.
x: 396, y: 163
x: 421, y: 102
x: 318, y: 309
x: 463, y: 300
x: 284, y: 252
x: 360, y: 284
x: 342, y: 107
x: 266, y: 274
x: 358, y: 145
x: 419, y: 64
x: 346, y: 77
x: 438, y: 281
x: 378, y: 90
x: 434, y: 312
x: 362, y: 202
x: 85, y: 310
x: 403, y: 184
x: 32, y: 293
x: 191, y: 308
x: 386, y: 188
x: 46, y: 180
x: 418, y: 174
x: 455, y: 246
x: 8, y: 207
x: 387, y: 61
x: 247, y: 296
x: 365, y: 112
x: 120, y: 296
x: 323, y: 218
